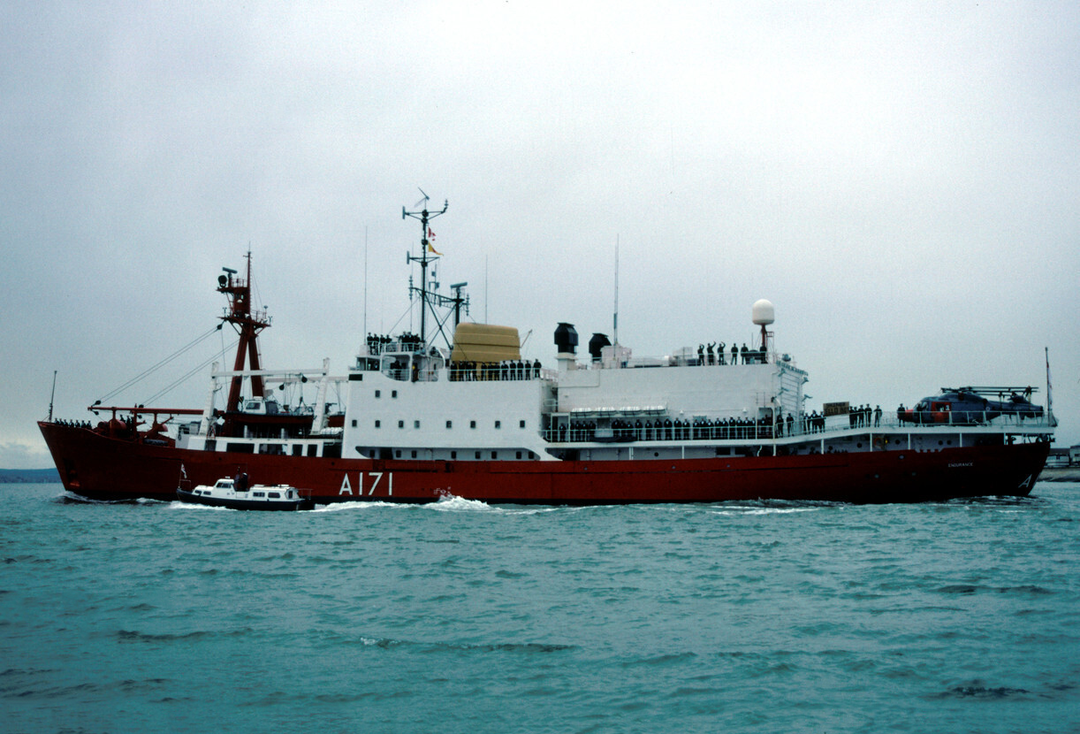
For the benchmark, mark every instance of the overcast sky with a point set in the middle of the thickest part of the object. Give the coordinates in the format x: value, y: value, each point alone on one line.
x: 899, y: 179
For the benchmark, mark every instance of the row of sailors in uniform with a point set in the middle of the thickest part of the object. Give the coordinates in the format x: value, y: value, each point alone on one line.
x: 73, y: 424
x: 749, y: 356
x: 859, y: 417
x: 408, y: 342
x: 515, y: 369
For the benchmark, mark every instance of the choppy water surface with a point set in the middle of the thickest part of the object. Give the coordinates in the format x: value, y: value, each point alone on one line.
x: 463, y: 617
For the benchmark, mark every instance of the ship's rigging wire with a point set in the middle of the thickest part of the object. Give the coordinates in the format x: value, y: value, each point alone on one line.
x: 408, y: 312
x: 194, y: 371
x: 150, y: 370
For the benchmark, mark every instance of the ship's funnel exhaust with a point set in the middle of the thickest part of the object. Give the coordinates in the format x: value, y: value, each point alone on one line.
x: 566, y: 338
x: 596, y: 344
x: 566, y: 341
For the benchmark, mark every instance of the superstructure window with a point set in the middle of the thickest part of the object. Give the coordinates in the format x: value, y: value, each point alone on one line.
x: 449, y: 424
x: 378, y: 393
x: 472, y: 424
x: 378, y: 424
x: 401, y: 424
x: 498, y: 424
x: 416, y: 424
x: 521, y: 424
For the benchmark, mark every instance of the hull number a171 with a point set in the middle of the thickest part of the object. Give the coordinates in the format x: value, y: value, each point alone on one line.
x: 375, y: 477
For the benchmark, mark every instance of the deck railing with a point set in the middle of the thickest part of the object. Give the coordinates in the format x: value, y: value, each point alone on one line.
x: 629, y: 431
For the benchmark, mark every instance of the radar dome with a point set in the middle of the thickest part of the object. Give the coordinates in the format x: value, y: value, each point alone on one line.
x: 763, y: 312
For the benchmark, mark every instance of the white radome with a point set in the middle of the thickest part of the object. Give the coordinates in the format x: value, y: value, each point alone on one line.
x: 763, y: 312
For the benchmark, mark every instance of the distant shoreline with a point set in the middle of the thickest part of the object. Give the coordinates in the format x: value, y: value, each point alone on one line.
x: 1060, y: 474
x: 29, y: 476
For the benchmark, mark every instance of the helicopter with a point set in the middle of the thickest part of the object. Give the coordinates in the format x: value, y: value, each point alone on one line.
x: 969, y: 405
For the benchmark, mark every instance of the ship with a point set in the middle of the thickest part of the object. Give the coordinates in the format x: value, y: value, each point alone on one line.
x: 457, y: 411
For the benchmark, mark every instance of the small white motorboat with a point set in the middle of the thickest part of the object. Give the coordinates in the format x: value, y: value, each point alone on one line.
x: 237, y: 495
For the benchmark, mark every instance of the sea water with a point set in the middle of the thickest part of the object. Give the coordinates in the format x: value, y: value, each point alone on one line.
x: 457, y: 616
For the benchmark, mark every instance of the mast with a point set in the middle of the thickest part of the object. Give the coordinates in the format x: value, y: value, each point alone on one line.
x: 52, y: 396
x: 615, y: 318
x: 1049, y: 388
x: 248, y: 324
x: 425, y: 245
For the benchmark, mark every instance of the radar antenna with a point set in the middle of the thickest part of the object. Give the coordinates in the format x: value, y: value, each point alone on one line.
x: 425, y: 217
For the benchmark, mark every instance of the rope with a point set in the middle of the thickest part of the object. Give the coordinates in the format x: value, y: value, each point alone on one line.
x: 185, y: 377
x: 150, y: 370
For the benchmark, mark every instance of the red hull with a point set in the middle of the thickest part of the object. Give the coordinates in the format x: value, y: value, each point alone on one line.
x: 97, y: 466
